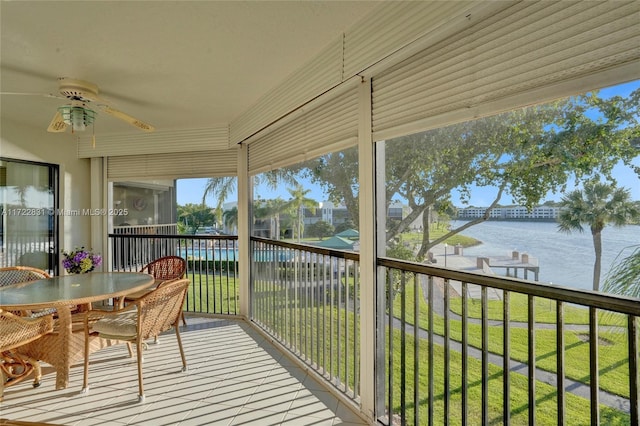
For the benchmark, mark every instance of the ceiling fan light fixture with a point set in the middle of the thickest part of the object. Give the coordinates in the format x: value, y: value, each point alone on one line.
x: 77, y: 117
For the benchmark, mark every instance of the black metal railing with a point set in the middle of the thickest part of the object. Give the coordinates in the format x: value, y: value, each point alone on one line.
x: 462, y: 346
x: 29, y: 248
x: 212, y: 265
x: 308, y: 298
x: 453, y: 346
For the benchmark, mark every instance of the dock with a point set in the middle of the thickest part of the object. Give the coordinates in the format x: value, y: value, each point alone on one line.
x: 512, y: 265
x: 518, y: 265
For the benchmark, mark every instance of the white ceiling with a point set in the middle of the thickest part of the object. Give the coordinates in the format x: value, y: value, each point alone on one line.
x: 172, y: 64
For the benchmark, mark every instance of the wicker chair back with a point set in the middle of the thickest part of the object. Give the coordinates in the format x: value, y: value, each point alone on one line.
x: 166, y: 268
x: 19, y: 274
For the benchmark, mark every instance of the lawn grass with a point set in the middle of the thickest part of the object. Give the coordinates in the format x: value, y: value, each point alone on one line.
x: 577, y: 412
x: 315, y: 327
x: 545, y: 310
x: 213, y: 294
x: 613, y: 358
x: 305, y: 334
x: 437, y: 232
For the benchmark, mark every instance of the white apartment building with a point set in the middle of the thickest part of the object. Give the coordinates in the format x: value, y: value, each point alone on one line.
x: 511, y: 212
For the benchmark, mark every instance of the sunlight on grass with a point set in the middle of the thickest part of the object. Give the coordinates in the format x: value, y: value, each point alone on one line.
x: 546, y: 395
x: 613, y: 358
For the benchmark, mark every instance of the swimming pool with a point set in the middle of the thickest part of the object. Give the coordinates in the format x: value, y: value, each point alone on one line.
x: 232, y: 255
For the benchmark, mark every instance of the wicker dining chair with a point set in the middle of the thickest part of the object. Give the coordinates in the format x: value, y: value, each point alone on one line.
x: 19, y: 274
x: 155, y: 312
x: 163, y: 269
x: 16, y: 331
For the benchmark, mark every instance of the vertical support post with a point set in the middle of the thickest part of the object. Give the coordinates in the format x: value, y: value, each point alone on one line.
x: 368, y: 293
x: 244, y: 230
x: 531, y: 325
x: 634, y: 382
x: 560, y: 361
x: 594, y: 373
x: 99, y: 223
x: 506, y: 358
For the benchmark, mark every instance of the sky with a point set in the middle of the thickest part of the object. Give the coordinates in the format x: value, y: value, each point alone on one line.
x: 191, y: 190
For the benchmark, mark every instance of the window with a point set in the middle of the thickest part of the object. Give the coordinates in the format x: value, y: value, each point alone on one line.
x: 312, y: 200
x: 497, y: 190
x: 29, y: 222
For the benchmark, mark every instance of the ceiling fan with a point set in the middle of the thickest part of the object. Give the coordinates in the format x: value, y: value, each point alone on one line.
x: 78, y: 113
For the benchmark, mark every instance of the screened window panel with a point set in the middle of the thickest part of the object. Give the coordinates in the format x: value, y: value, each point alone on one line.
x: 523, y: 48
x: 331, y: 126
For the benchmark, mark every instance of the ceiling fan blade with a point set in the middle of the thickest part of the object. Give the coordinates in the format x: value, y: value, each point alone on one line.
x: 46, y: 95
x: 133, y: 121
x: 57, y: 125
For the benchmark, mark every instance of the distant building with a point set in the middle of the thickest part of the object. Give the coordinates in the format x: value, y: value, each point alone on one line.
x: 338, y: 214
x: 326, y: 211
x: 511, y: 213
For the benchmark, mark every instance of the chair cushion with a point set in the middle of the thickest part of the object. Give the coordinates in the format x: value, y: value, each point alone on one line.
x: 123, y: 326
x: 43, y: 312
x: 138, y: 294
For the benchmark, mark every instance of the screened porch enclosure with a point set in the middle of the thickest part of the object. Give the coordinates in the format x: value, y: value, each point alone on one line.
x: 395, y: 338
x: 389, y: 336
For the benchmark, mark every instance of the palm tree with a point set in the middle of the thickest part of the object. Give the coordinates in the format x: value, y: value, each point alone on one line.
x: 275, y: 207
x: 222, y: 187
x: 230, y: 219
x: 624, y: 277
x: 596, y: 205
x: 295, y: 205
x: 261, y: 213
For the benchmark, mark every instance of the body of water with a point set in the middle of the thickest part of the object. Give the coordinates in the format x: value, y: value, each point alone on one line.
x: 564, y: 259
x: 229, y: 254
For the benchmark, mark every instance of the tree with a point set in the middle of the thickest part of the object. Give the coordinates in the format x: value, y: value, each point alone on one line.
x: 348, y: 224
x: 624, y: 276
x: 337, y: 174
x: 320, y: 229
x: 195, y: 215
x: 230, y: 219
x: 525, y: 154
x: 222, y: 187
x: 274, y: 208
x: 295, y: 207
x: 266, y: 216
x: 595, y: 206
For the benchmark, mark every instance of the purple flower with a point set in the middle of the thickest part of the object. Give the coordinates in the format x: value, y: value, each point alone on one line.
x: 80, y: 261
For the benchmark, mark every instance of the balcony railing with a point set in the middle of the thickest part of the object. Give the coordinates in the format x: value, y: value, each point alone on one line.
x: 450, y: 336
x: 212, y: 265
x: 452, y: 346
x: 28, y: 248
x: 307, y: 299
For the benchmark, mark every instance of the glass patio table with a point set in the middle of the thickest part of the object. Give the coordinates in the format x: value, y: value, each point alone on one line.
x: 65, y: 345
